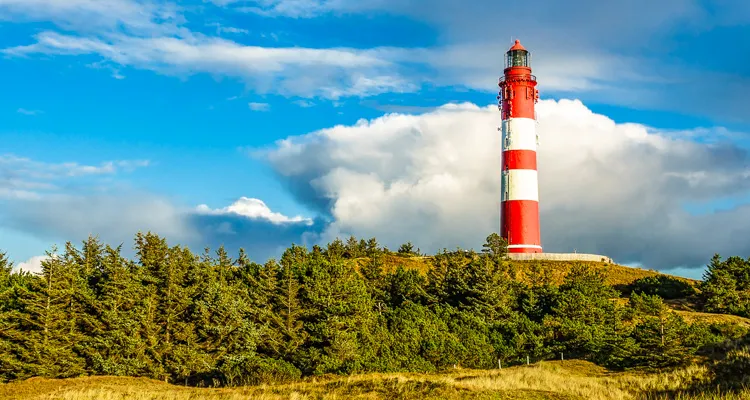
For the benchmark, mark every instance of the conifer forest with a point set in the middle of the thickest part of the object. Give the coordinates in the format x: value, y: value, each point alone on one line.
x: 213, y: 319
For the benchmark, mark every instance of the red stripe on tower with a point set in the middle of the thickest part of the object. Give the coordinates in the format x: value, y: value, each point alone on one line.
x: 519, y: 159
x: 519, y: 211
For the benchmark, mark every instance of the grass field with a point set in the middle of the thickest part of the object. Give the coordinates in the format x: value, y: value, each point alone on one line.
x: 569, y: 380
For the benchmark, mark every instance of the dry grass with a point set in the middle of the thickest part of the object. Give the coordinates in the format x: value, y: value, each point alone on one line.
x: 691, y: 316
x: 391, y: 262
x: 615, y: 274
x: 569, y: 380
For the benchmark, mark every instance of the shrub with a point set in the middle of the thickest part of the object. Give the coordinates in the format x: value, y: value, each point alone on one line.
x: 666, y: 287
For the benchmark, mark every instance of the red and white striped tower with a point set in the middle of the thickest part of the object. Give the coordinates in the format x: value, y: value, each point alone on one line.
x: 519, y: 213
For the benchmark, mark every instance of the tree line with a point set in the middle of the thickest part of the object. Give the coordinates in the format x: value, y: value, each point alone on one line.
x: 210, y: 319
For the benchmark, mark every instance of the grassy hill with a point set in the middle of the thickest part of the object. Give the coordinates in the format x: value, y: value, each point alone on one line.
x: 568, y: 380
x: 616, y: 274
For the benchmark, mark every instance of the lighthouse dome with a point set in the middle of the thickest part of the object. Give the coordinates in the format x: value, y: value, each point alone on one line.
x: 517, y: 56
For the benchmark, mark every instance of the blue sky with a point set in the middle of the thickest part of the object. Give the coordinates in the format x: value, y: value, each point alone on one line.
x: 188, y: 100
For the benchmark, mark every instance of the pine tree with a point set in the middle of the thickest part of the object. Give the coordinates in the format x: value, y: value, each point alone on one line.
x: 165, y: 303
x: 726, y: 286
x: 262, y: 285
x: 335, y: 250
x: 352, y: 248
x: 48, y: 327
x: 337, y: 315
x: 221, y: 315
x: 583, y: 314
x: 116, y: 346
x: 373, y: 247
x: 406, y: 250
x: 10, y: 366
x: 376, y: 281
x: 662, y: 336
x: 289, y: 310
x: 495, y: 246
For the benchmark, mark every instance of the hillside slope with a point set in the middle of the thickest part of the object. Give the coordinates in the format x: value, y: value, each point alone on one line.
x: 615, y: 274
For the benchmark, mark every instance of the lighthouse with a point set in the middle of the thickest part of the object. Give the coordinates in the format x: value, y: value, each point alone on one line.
x: 519, y: 206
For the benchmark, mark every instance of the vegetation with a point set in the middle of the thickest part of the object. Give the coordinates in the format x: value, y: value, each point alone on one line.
x: 353, y: 307
x: 726, y: 286
x: 665, y: 286
x: 552, y: 380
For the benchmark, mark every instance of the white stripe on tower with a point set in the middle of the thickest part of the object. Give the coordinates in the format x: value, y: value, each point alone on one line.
x: 519, y: 134
x: 520, y: 184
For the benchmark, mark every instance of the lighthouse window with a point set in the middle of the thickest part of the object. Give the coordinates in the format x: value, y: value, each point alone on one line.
x: 518, y: 58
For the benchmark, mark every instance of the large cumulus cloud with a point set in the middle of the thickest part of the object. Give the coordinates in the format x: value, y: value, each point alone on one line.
x: 433, y: 179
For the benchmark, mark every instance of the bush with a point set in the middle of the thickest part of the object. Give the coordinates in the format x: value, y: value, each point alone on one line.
x: 734, y: 371
x: 666, y: 287
x: 253, y: 370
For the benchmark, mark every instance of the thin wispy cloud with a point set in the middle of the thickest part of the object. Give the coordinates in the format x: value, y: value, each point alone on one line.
x: 299, y: 8
x: 579, y: 56
x: 29, y: 112
x: 576, y: 52
x: 259, y: 106
x: 23, y: 178
x: 228, y: 29
x: 136, y: 17
x: 328, y: 73
x: 304, y: 103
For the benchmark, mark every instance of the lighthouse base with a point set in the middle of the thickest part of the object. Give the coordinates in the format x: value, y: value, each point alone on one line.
x: 560, y: 257
x: 524, y: 248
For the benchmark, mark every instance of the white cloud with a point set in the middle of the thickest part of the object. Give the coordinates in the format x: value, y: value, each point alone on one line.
x: 253, y: 209
x: 339, y: 72
x: 15, y: 165
x: 479, y: 65
x: 299, y: 8
x: 601, y: 51
x: 140, y: 17
x: 222, y: 3
x: 36, y: 200
x: 116, y: 218
x: 259, y: 106
x: 330, y: 73
x: 154, y: 38
x: 23, y: 178
x: 229, y: 29
x: 33, y: 265
x: 304, y: 103
x: 482, y: 17
x: 28, y: 112
x: 610, y: 188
